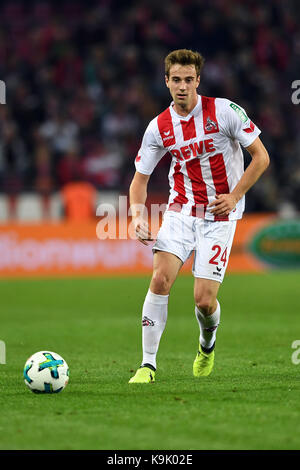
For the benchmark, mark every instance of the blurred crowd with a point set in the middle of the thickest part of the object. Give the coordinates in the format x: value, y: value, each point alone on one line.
x: 83, y: 79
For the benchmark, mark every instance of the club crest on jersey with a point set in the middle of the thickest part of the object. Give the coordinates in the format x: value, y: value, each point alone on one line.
x: 210, y: 125
x: 147, y: 321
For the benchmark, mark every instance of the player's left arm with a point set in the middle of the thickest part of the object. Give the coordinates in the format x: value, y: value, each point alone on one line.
x: 225, y: 203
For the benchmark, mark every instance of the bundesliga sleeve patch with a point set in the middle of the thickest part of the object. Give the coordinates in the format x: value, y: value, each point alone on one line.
x: 242, y: 115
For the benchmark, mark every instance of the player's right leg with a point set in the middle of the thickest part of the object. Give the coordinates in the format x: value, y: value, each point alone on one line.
x: 155, y: 310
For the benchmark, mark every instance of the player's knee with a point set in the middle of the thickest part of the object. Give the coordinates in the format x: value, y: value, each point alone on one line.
x: 160, y: 283
x: 205, y: 302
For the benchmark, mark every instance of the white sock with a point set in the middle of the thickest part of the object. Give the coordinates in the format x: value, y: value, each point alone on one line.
x: 208, y: 325
x: 155, y: 311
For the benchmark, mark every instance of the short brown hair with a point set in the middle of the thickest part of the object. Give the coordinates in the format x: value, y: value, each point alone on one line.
x: 184, y: 57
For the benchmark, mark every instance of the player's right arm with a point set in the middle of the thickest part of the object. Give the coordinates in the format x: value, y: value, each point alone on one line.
x: 148, y: 156
x: 137, y: 198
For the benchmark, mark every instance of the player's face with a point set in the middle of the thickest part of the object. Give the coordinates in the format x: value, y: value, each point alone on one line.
x: 182, y: 83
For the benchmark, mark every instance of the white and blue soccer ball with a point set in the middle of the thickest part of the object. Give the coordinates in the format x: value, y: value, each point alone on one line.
x: 46, y: 372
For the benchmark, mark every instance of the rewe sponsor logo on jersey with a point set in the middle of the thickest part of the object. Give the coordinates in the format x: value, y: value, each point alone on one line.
x: 278, y: 244
x: 193, y: 150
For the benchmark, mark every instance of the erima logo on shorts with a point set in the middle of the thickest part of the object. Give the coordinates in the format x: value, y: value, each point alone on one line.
x: 217, y: 274
x: 147, y: 322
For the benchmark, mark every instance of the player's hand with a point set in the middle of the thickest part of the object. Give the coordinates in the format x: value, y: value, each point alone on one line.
x: 223, y: 204
x: 142, y: 230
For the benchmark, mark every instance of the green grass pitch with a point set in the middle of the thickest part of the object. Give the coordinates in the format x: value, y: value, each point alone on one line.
x: 250, y: 401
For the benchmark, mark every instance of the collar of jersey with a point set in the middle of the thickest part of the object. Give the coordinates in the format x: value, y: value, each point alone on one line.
x: 194, y: 111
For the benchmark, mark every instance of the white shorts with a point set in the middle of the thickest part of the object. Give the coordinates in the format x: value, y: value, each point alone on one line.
x: 210, y: 241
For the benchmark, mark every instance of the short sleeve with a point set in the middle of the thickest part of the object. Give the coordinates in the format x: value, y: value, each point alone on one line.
x: 150, y: 152
x: 237, y: 125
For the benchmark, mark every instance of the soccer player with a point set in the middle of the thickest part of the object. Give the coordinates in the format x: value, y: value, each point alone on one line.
x: 202, y: 135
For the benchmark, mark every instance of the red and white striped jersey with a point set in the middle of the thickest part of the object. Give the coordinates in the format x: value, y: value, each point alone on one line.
x: 206, y: 156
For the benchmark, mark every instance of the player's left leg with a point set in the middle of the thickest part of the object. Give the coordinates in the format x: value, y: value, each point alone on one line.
x: 213, y: 246
x: 207, y: 310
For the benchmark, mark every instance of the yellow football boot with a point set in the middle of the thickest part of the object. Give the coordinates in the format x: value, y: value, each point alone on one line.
x: 204, y: 363
x: 144, y: 375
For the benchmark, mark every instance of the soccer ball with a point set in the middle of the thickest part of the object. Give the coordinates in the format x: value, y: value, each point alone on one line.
x: 46, y: 372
